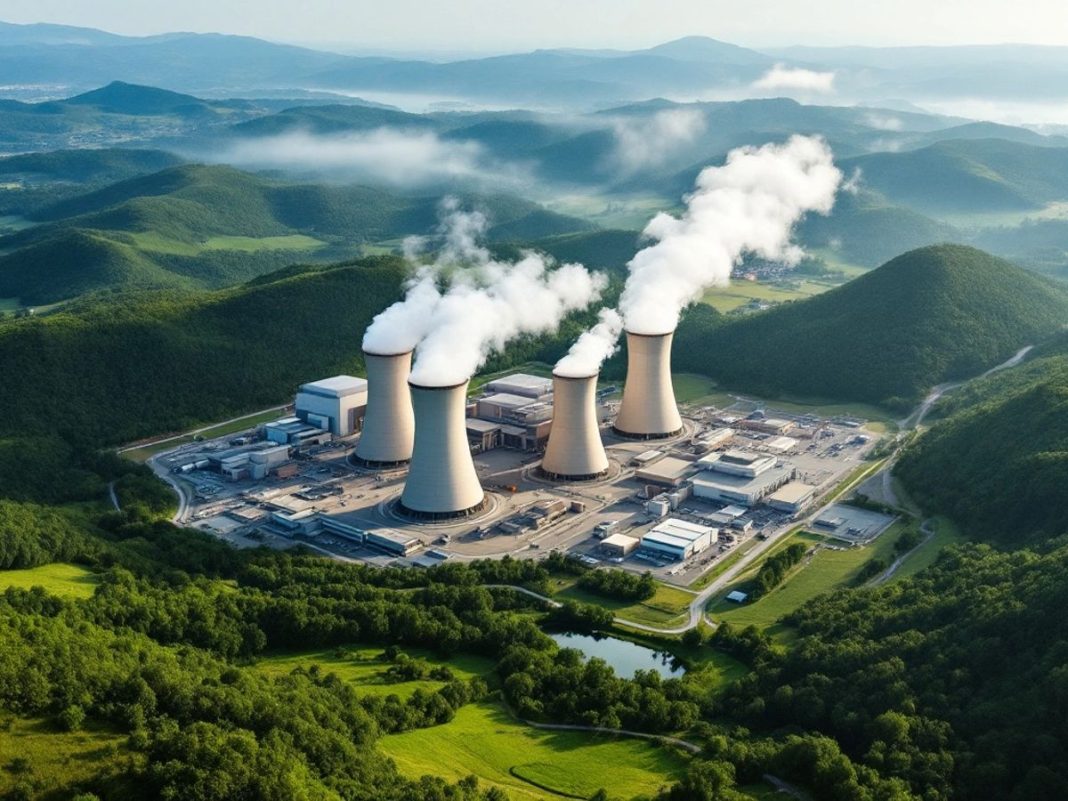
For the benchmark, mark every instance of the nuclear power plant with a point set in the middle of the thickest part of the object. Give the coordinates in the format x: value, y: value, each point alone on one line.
x: 574, y: 451
x: 442, y: 483
x: 389, y: 422
x: 648, y: 410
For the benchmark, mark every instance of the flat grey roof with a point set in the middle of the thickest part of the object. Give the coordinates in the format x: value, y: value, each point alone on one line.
x: 729, y: 481
x: 336, y: 386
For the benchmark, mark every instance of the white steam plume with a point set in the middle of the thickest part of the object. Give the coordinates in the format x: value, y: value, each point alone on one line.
x: 747, y: 206
x: 487, y: 303
x: 592, y: 347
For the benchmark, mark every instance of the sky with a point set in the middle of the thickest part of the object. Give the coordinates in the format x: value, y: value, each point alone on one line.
x: 483, y: 26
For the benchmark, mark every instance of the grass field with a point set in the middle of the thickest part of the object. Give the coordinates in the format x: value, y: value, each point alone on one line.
x: 140, y: 454
x: 946, y: 533
x: 55, y: 761
x: 714, y: 669
x: 66, y: 581
x: 669, y: 605
x: 739, y: 293
x: 362, y: 667
x: 154, y: 243
x: 484, y: 741
x: 825, y: 571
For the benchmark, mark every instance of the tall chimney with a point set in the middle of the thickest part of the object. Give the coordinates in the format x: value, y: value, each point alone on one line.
x: 389, y: 423
x: 648, y: 410
x: 442, y: 483
x: 575, y: 451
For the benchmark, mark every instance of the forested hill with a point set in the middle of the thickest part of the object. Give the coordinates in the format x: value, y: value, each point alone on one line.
x: 999, y: 462
x: 930, y: 315
x: 114, y: 371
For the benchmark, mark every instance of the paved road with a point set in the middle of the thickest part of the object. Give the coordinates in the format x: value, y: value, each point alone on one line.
x: 927, y: 528
x: 164, y: 474
x: 114, y: 498
x: 202, y: 429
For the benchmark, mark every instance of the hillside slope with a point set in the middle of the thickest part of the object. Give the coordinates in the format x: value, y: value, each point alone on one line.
x: 163, y: 361
x: 215, y: 226
x: 998, y: 463
x: 927, y: 316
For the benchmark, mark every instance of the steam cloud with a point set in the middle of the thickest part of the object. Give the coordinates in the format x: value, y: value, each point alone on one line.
x: 487, y: 303
x: 747, y: 206
x: 592, y: 347
x: 794, y: 78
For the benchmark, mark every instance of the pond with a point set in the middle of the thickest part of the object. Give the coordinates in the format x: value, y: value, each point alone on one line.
x: 623, y: 656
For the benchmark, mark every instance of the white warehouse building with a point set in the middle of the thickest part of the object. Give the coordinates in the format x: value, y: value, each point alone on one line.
x: 678, y: 539
x: 334, y: 404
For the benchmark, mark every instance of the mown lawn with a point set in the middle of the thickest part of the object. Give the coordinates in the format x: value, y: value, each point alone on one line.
x: 825, y: 571
x: 485, y: 741
x: 55, y: 762
x: 362, y: 667
x: 66, y: 581
x: 669, y: 606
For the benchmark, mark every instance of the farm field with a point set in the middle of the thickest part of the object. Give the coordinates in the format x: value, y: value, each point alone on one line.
x: 739, y: 293
x: 154, y: 243
x: 825, y: 571
x: 362, y: 667
x: 485, y: 741
x: 63, y: 580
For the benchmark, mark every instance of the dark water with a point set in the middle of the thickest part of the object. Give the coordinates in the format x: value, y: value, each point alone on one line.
x: 623, y: 656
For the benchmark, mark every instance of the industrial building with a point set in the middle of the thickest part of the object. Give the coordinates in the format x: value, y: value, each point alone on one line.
x: 791, y: 497
x: 670, y: 471
x: 618, y: 546
x: 678, y: 540
x: 442, y: 483
x: 740, y: 477
x: 535, y: 387
x: 334, y: 404
x: 575, y: 451
x: 293, y: 431
x: 388, y: 430
x: 257, y: 461
x: 524, y: 422
x: 714, y: 438
x: 769, y: 425
x: 648, y: 409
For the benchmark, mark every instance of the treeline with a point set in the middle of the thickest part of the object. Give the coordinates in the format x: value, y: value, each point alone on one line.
x: 775, y: 568
x: 620, y: 585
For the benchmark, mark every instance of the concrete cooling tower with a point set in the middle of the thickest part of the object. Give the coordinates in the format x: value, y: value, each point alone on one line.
x: 574, y: 451
x: 442, y: 483
x: 648, y: 410
x: 388, y: 423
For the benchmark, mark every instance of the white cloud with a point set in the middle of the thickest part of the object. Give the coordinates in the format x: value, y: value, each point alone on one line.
x: 386, y: 155
x: 883, y: 122
x: 643, y: 142
x: 780, y: 77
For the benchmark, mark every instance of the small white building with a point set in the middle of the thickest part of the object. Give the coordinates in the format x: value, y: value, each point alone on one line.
x: 792, y: 497
x: 530, y: 386
x: 678, y: 540
x: 334, y: 404
x: 618, y: 545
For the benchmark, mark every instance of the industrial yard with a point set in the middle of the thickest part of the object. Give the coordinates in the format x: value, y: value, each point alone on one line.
x: 675, y: 506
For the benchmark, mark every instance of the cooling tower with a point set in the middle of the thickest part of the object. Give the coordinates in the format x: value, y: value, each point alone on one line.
x: 574, y: 452
x: 388, y: 423
x: 442, y: 482
x: 648, y: 410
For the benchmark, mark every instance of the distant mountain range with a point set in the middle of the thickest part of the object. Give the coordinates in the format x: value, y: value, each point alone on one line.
x: 41, y: 59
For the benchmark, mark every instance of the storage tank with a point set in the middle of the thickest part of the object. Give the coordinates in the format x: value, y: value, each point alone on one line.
x: 442, y: 483
x: 574, y: 451
x: 389, y: 422
x: 648, y: 410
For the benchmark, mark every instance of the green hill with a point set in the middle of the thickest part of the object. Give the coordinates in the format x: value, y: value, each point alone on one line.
x: 214, y: 226
x: 927, y: 316
x: 964, y: 176
x: 998, y: 463
x: 162, y: 361
x: 119, y: 97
